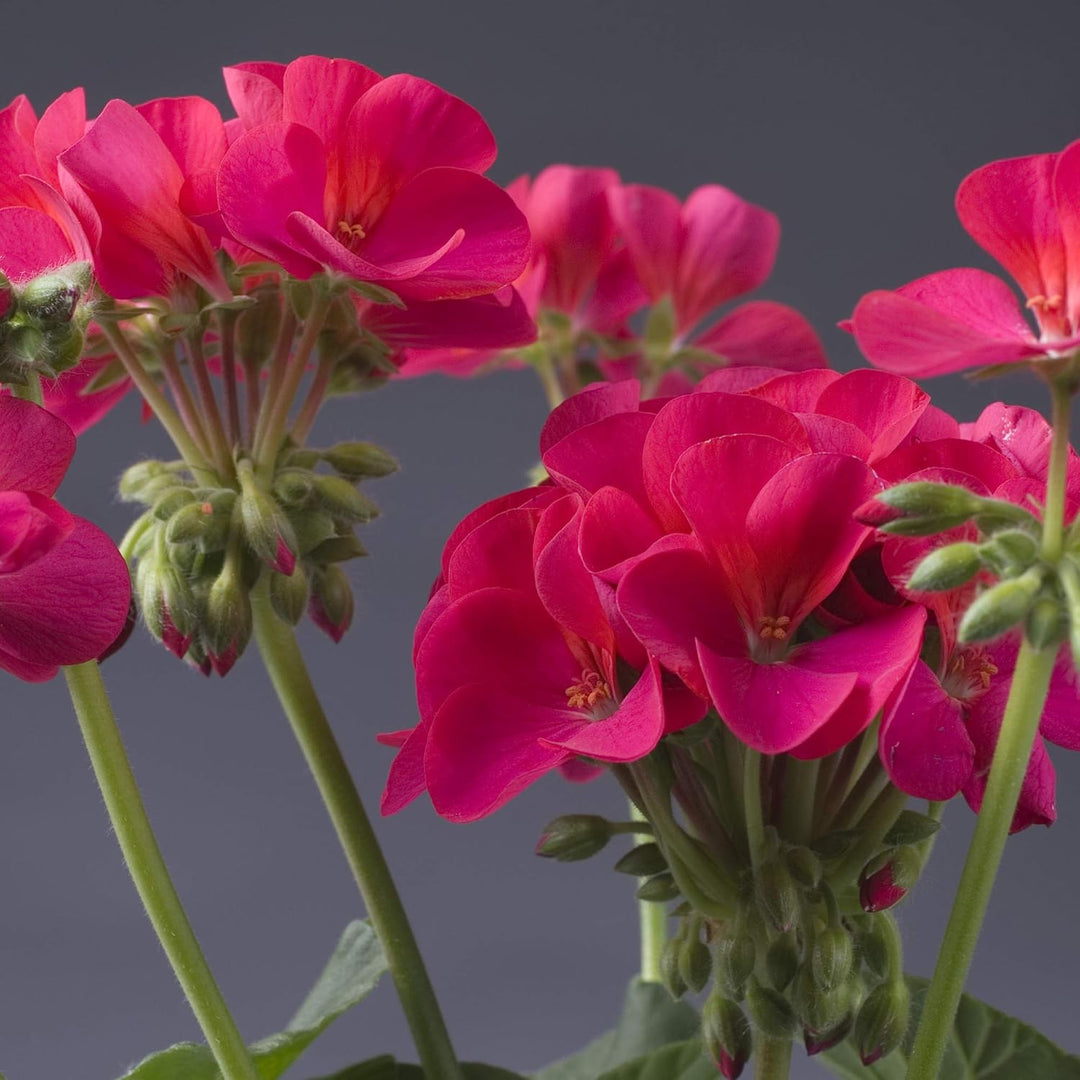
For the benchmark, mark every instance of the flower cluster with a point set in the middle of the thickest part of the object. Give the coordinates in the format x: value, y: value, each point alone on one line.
x: 623, y: 280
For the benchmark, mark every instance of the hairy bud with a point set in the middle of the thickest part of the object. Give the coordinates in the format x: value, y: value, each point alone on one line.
x: 331, y: 604
x: 946, y: 568
x: 669, y: 968
x: 727, y: 1036
x: 921, y: 508
x: 735, y: 955
x: 782, y: 961
x: 779, y: 895
x: 642, y: 861
x: 658, y: 889
x: 831, y: 957
x: 695, y: 963
x: 1000, y: 608
x: 887, y: 879
x: 770, y: 1011
x: 573, y: 837
x: 882, y: 1021
x: 356, y: 460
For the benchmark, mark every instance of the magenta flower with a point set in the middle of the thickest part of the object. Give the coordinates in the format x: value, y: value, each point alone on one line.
x: 1023, y: 212
x: 338, y: 169
x: 517, y: 666
x: 64, y: 588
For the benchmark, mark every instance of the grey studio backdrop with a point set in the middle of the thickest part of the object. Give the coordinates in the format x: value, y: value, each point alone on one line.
x: 854, y: 122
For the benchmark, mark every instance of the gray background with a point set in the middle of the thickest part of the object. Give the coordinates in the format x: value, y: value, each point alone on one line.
x: 853, y: 121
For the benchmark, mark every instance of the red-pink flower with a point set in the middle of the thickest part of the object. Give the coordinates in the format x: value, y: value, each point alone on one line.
x: 517, y: 666
x: 339, y: 169
x: 64, y: 588
x: 1025, y: 212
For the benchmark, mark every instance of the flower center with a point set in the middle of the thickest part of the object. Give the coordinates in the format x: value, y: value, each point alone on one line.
x: 351, y: 235
x: 1043, y: 305
x: 774, y: 627
x: 588, y: 692
x: 969, y: 675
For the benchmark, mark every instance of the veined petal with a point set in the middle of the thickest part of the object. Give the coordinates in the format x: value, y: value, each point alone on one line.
x: 36, y: 447
x: 255, y: 90
x: 764, y: 332
x: 650, y: 221
x: 31, y: 243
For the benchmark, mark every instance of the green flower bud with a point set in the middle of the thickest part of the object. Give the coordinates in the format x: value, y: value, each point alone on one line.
x: 642, y: 861
x: 228, y: 615
x: 658, y: 889
x: 726, y: 1033
x: 669, y: 968
x: 911, y: 827
x: 355, y: 460
x: 573, y: 837
x: 294, y: 487
x: 882, y: 1021
x: 885, y: 880
x: 312, y: 528
x: 266, y: 528
x: 170, y: 501
x: 331, y: 604
x: 337, y: 549
x: 770, y: 1011
x: 695, y: 963
x: 779, y: 895
x: 63, y: 347
x: 831, y: 957
x: 923, y: 508
x: 946, y: 568
x: 735, y: 955
x: 289, y: 594
x: 879, y: 943
x: 144, y: 481
x: 1010, y: 552
x: 50, y: 298
x: 341, y: 499
x: 1000, y: 608
x: 804, y: 866
x: 824, y: 1011
x: 782, y: 961
x: 1047, y: 624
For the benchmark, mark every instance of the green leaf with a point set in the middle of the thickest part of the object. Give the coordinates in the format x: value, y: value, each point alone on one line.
x: 386, y: 1067
x: 650, y: 1019
x: 985, y: 1045
x: 677, y: 1061
x: 350, y: 975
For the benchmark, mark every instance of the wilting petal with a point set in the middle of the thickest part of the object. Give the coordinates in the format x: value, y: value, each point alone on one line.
x: 764, y: 332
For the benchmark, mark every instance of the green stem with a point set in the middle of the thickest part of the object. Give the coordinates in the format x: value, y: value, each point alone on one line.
x: 653, y: 919
x: 873, y: 827
x: 755, y: 819
x: 797, y: 808
x: 1019, y: 726
x: 772, y: 1059
x: 211, y: 412
x: 149, y: 873
x: 227, y: 332
x: 305, y: 418
x: 285, y: 666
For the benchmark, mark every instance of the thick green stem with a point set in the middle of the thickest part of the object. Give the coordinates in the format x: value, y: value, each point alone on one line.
x: 149, y: 873
x: 800, y: 789
x: 653, y: 919
x: 285, y: 665
x: 772, y: 1059
x: 1027, y: 697
x: 752, y: 808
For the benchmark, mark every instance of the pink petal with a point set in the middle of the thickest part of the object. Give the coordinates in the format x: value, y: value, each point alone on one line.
x: 497, y: 553
x: 607, y: 452
x: 764, y: 332
x: 65, y: 396
x: 1009, y: 209
x: 31, y: 243
x: 772, y: 707
x: 61, y: 211
x: 615, y: 529
x: 267, y: 175
x: 618, y: 293
x: 255, y: 91
x: 593, y: 403
x: 31, y: 525
x: 948, y: 322
x: 1036, y: 805
x: 399, y: 127
x: 650, y: 221
x: 406, y: 779
x: 798, y: 391
x: 68, y: 606
x: 884, y: 406
x: 191, y: 129
x: 17, y: 157
x: 983, y: 466
x: 830, y: 435
x: 433, y: 209
x: 484, y: 748
x: 62, y: 123
x: 1066, y: 194
x: 728, y: 248
x: 737, y: 380
x: 35, y: 447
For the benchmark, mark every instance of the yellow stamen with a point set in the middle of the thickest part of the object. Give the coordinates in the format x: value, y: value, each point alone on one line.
x: 587, y: 691
x: 774, y: 626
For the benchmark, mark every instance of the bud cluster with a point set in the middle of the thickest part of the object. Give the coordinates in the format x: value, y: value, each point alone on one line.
x: 43, y: 323
x: 198, y: 551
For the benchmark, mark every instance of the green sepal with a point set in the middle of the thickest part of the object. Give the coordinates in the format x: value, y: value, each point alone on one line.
x: 110, y: 374
x: 985, y: 1044
x: 911, y: 827
x: 375, y: 293
x: 338, y: 549
x: 237, y: 303
x: 650, y: 1020
x: 355, y: 967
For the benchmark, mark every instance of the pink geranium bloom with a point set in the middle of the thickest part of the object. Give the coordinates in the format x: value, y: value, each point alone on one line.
x: 516, y: 666
x: 1024, y: 212
x: 341, y: 170
x: 64, y: 588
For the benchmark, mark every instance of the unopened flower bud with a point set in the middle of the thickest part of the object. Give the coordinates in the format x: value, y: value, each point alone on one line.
x: 1000, y: 608
x: 831, y: 957
x: 826, y: 1015
x: 770, y: 1011
x: 170, y: 501
x: 228, y: 620
x: 887, y: 879
x: 1010, y: 552
x: 921, y: 508
x: 911, y: 827
x: 879, y: 944
x: 735, y: 956
x: 356, y: 460
x: 670, y: 975
x: 573, y: 837
x: 782, y: 961
x: 338, y: 549
x: 946, y: 568
x: 695, y: 963
x: 50, y: 298
x: 804, y: 866
x: 643, y: 861
x: 145, y: 480
x: 289, y: 594
x: 294, y: 487
x: 331, y: 605
x: 658, y: 889
x: 882, y: 1020
x: 727, y: 1035
x: 342, y: 499
x: 266, y: 529
x: 779, y: 895
x: 1047, y: 624
x: 817, y: 1042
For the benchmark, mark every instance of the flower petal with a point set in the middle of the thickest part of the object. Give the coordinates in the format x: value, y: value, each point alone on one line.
x: 36, y: 447
x: 763, y: 332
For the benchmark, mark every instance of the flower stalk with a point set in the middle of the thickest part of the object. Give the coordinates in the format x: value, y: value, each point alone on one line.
x: 149, y: 872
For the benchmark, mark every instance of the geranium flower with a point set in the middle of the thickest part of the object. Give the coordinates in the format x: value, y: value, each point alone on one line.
x: 1024, y: 212
x: 64, y: 588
